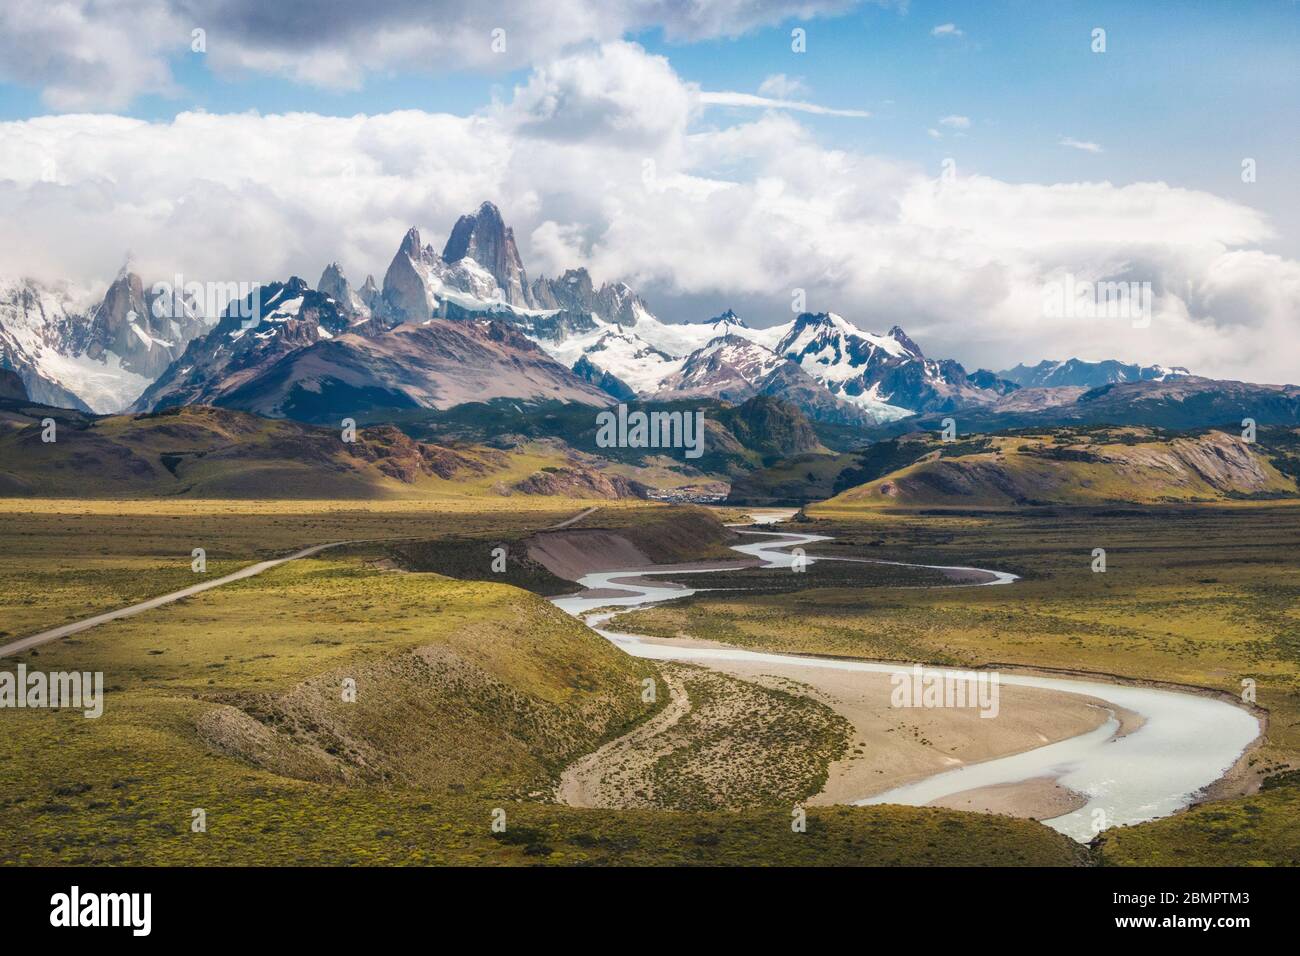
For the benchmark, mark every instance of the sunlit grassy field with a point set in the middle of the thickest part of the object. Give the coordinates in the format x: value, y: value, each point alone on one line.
x: 470, y: 696
x: 474, y: 695
x: 65, y: 559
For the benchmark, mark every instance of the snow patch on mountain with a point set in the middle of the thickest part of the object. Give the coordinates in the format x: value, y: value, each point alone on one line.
x: 875, y: 404
x: 103, y: 384
x: 834, y: 350
x: 681, y: 339
x: 619, y: 351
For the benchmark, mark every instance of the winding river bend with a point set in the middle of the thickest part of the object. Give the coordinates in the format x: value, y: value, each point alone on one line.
x: 1186, y: 742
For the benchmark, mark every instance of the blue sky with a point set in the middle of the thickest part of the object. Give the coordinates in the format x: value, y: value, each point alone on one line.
x: 1176, y: 97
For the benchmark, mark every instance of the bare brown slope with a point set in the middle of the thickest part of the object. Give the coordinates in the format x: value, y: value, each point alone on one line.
x: 1105, y: 465
x: 209, y: 452
x: 600, y: 542
x: 435, y: 364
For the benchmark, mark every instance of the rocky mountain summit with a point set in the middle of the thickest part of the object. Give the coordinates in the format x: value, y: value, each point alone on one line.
x: 485, y: 238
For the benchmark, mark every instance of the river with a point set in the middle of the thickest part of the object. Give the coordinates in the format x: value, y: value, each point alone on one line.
x: 1186, y: 742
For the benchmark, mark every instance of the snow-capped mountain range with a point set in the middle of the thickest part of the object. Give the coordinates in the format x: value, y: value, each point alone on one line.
x: 1076, y: 372
x: 125, y: 351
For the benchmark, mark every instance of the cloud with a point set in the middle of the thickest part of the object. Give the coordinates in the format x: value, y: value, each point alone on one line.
x: 763, y: 102
x: 695, y: 208
x: 87, y: 54
x: 617, y: 94
x: 947, y: 30
x: 955, y: 122
x: 782, y: 87
x: 1080, y: 145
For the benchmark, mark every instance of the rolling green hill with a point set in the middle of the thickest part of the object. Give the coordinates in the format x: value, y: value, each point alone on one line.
x: 1083, y: 466
x: 204, y: 452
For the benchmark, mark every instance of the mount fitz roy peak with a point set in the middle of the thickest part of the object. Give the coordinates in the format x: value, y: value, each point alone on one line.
x: 485, y: 238
x: 610, y: 338
x: 480, y: 272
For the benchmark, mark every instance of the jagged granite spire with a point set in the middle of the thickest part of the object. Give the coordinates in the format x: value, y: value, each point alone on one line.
x: 485, y: 238
x: 334, y: 284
